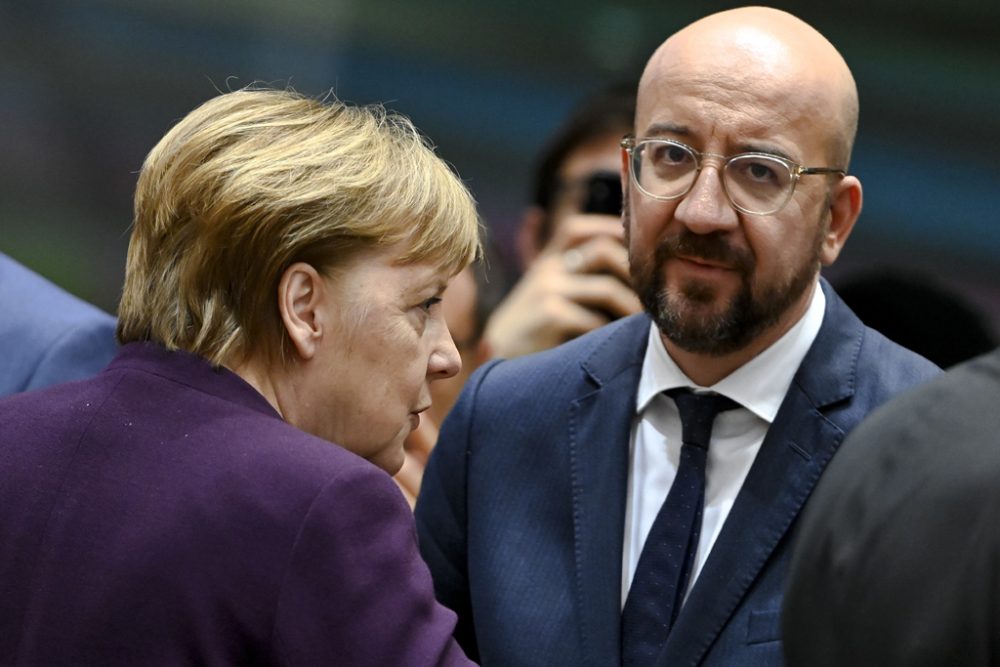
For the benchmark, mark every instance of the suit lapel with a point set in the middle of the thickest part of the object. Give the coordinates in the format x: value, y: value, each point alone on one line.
x: 797, y: 447
x: 599, y: 426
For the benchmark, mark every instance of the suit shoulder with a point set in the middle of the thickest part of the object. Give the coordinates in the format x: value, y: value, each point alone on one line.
x: 953, y: 404
x: 25, y: 294
x: 58, y: 336
x: 851, y: 369
x: 610, y: 348
x: 889, y: 367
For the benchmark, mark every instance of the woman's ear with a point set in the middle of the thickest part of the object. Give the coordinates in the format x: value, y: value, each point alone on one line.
x: 301, y: 294
x: 845, y: 207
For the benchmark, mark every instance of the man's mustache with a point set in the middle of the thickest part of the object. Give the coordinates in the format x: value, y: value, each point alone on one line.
x: 710, y: 247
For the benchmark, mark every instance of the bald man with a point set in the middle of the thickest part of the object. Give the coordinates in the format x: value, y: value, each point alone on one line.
x: 630, y: 498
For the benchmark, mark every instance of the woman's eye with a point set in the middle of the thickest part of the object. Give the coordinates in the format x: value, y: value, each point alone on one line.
x: 430, y: 303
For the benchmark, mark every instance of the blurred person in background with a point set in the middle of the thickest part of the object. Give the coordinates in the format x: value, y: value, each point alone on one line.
x: 219, y: 493
x: 921, y: 314
x: 571, y: 240
x: 47, y: 335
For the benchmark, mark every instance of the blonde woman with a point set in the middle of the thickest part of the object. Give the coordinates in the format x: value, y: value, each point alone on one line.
x: 221, y: 493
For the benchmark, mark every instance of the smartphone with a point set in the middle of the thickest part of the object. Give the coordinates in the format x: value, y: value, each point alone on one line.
x: 603, y: 194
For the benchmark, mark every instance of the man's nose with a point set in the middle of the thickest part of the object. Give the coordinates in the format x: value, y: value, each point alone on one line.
x: 706, y: 207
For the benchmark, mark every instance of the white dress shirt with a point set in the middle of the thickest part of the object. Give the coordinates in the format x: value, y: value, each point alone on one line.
x: 759, y: 387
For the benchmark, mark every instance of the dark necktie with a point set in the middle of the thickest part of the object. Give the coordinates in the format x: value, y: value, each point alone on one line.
x: 664, y: 568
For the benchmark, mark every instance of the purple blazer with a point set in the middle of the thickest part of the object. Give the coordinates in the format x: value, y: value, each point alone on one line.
x: 162, y: 513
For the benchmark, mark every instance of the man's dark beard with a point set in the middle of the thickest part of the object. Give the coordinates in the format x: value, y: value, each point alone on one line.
x: 746, y: 316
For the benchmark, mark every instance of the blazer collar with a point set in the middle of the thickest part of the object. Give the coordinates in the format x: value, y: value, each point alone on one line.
x: 829, y: 372
x: 192, y: 370
x: 621, y: 350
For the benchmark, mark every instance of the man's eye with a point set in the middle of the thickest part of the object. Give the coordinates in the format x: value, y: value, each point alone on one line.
x: 756, y: 171
x: 676, y: 154
x: 761, y: 172
x: 669, y: 154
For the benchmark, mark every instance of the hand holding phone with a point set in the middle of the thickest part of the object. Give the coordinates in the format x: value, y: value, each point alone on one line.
x: 603, y: 194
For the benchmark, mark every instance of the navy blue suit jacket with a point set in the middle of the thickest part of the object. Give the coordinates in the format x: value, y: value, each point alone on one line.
x: 46, y: 334
x: 522, y: 509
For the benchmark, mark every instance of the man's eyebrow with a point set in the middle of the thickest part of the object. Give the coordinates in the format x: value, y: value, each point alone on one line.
x: 660, y: 129
x: 767, y: 150
x: 663, y: 129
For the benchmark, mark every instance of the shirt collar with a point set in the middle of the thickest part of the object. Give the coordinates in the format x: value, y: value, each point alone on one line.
x: 759, y: 385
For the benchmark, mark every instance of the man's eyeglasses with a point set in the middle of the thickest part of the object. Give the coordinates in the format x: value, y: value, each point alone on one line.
x: 755, y: 183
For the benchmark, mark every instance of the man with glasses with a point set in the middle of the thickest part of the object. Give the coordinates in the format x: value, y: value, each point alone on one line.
x: 630, y: 497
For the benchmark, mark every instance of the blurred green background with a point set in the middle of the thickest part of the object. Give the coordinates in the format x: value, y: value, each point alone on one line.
x: 91, y: 85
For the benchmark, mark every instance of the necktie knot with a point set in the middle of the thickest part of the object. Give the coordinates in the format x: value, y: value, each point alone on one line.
x: 698, y: 412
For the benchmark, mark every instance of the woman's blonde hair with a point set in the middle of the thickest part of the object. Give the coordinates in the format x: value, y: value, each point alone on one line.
x: 253, y: 181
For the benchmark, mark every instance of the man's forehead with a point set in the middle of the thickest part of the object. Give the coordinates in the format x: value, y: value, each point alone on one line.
x: 735, y: 95
x: 737, y: 59
x: 748, y: 64
x: 728, y: 120
x: 738, y: 90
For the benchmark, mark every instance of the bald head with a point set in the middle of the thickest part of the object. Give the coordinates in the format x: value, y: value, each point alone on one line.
x: 758, y: 53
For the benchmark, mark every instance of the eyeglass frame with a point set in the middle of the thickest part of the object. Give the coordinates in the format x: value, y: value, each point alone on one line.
x: 630, y: 142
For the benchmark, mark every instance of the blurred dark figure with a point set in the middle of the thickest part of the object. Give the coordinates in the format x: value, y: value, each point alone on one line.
x: 571, y: 240
x: 917, y: 312
x: 898, y: 557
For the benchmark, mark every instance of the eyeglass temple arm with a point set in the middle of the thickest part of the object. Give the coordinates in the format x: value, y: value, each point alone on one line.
x: 806, y: 171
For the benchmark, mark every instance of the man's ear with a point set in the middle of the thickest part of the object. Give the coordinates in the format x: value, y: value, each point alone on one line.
x: 845, y: 207
x: 529, y: 235
x: 301, y: 296
x: 625, y: 173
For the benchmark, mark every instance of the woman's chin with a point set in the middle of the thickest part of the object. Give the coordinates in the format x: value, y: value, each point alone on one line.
x: 390, y: 458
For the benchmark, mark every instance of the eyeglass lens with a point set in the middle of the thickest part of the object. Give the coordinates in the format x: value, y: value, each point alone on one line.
x: 754, y: 183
